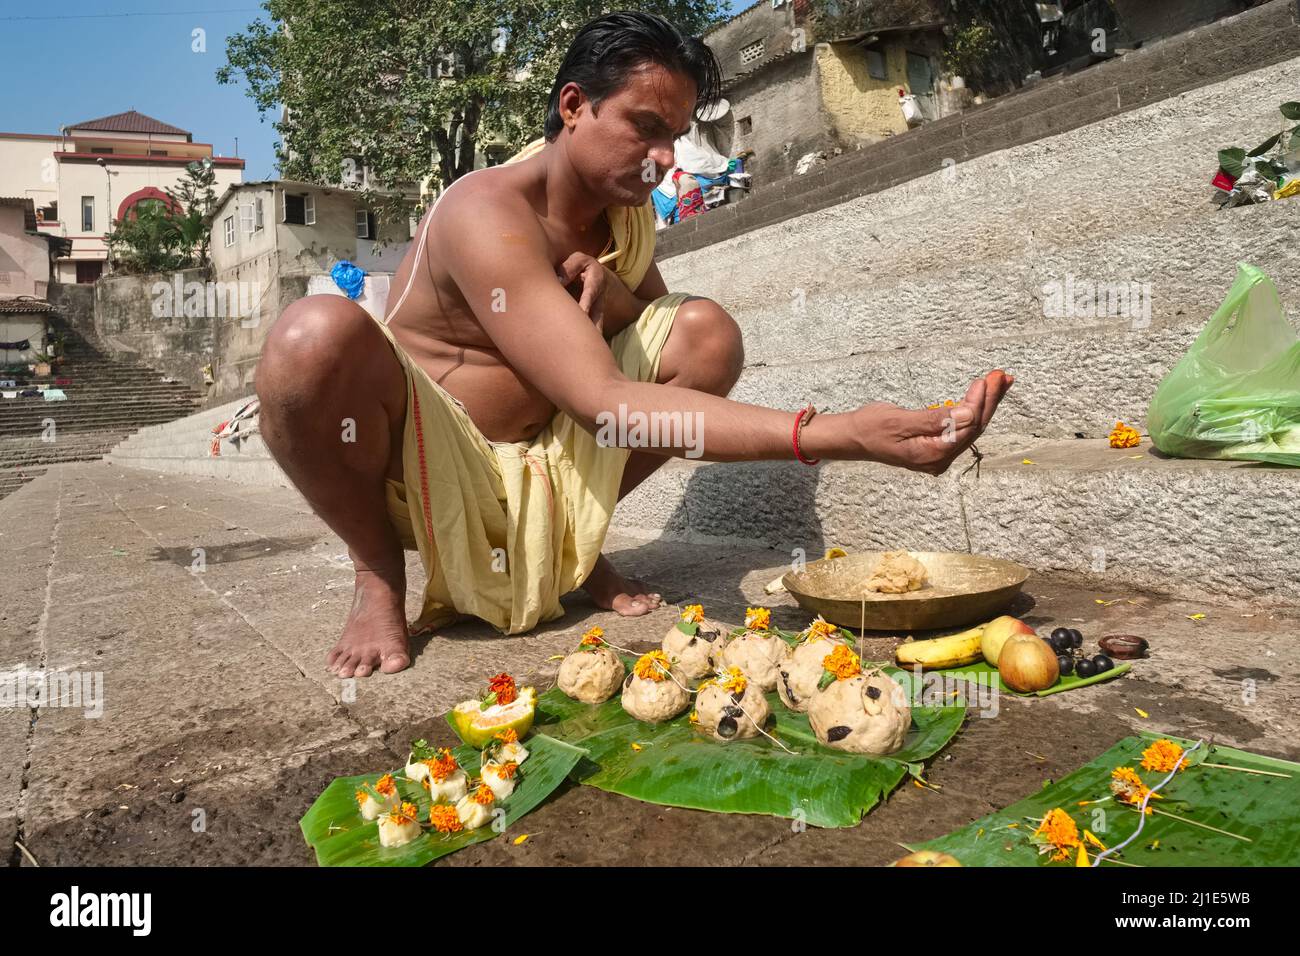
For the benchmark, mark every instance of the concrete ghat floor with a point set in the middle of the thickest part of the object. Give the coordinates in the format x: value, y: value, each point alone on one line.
x: 218, y: 706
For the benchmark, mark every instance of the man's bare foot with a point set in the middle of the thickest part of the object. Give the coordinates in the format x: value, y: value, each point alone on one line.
x: 613, y: 592
x: 375, y: 633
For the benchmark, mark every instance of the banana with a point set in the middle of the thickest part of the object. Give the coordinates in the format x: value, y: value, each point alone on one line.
x: 939, y: 652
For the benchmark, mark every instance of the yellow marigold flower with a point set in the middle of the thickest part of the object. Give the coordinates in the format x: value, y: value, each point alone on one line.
x: 843, y: 663
x: 444, y: 818
x: 1163, y: 756
x: 1059, y: 829
x: 694, y: 613
x: 385, y: 785
x: 1123, y: 436
x: 695, y: 718
x: 507, y: 736
x: 653, y: 666
x: 758, y: 618
x: 594, y: 637
x: 734, y: 681
x: 820, y: 628
x: 484, y: 794
x: 361, y: 797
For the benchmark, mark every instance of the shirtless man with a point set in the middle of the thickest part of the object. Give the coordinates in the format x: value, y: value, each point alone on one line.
x: 528, y: 234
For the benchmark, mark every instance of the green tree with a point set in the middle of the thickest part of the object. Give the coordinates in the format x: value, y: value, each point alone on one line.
x: 158, y: 237
x: 406, y: 90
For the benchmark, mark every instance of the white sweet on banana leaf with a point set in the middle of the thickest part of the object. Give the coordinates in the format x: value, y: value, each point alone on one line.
x: 373, y: 805
x: 800, y: 670
x: 657, y: 696
x: 726, y: 713
x: 417, y: 771
x: 500, y: 778
x: 591, y: 676
x: 513, y: 752
x: 757, y: 654
x: 865, y: 714
x: 694, y: 652
x: 448, y: 789
x: 397, y: 829
x: 471, y: 813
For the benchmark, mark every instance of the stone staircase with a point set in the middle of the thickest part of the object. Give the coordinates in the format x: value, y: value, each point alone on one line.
x: 107, y: 400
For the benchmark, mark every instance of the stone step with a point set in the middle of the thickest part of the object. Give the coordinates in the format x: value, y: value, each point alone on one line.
x: 1114, y: 518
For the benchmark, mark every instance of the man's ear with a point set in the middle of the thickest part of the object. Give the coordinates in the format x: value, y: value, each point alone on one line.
x: 572, y: 101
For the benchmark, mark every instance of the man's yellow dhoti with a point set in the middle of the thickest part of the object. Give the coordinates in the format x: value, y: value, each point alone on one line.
x: 505, y: 528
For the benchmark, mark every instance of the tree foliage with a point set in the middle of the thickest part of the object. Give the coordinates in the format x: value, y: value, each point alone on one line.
x: 406, y: 91
x: 156, y: 237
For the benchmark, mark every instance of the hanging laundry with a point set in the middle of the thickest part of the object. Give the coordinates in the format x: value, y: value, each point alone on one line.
x: 55, y: 395
x: 22, y: 345
x: 690, y: 199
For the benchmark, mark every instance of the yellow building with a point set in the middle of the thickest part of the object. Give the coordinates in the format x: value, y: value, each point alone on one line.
x: 93, y: 173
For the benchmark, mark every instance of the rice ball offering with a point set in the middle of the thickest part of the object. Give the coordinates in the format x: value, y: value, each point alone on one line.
x: 730, y: 707
x: 897, y: 573
x: 863, y: 713
x: 654, y: 691
x: 593, y: 672
x: 690, y: 642
x: 399, y: 826
x: 377, y: 799
x: 801, y: 670
x: 756, y: 652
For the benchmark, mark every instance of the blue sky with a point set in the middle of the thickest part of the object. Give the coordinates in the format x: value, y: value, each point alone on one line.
x: 81, y: 59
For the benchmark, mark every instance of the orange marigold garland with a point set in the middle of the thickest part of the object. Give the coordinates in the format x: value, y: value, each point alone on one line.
x: 758, y: 618
x: 406, y: 813
x: 821, y: 628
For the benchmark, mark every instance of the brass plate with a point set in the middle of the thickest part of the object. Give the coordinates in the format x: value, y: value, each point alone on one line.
x: 961, y: 589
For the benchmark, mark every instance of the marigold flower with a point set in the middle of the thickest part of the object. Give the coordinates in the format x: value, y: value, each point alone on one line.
x: 507, y: 736
x: 507, y: 769
x: 406, y: 813
x: 653, y: 666
x: 592, y: 639
x: 758, y: 618
x: 484, y: 795
x: 444, y: 818
x: 1059, y: 829
x: 843, y: 663
x: 362, y: 794
x: 385, y: 785
x: 1128, y: 787
x: 734, y: 681
x: 820, y: 628
x: 442, y: 765
x: 503, y: 685
x: 693, y: 613
x: 1123, y: 436
x: 1163, y: 756
x: 695, y: 718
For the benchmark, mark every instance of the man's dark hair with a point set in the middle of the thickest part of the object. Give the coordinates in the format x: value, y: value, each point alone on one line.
x: 607, y: 49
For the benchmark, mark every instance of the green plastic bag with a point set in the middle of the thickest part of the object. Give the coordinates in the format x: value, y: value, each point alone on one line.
x: 1236, y: 393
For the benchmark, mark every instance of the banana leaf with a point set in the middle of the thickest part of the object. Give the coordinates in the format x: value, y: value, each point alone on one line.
x: 678, y: 766
x: 983, y: 671
x: 334, y: 829
x: 1260, y: 808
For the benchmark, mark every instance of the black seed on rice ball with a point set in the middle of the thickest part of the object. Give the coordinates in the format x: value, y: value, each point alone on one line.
x: 838, y: 733
x: 727, y: 727
x: 873, y: 692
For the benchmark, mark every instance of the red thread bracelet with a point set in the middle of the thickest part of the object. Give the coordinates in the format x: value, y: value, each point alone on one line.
x: 799, y: 422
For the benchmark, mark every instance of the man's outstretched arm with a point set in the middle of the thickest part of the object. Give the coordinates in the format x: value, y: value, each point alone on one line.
x: 496, y: 256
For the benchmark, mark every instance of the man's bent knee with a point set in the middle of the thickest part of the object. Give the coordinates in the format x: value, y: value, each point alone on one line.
x: 716, y: 345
